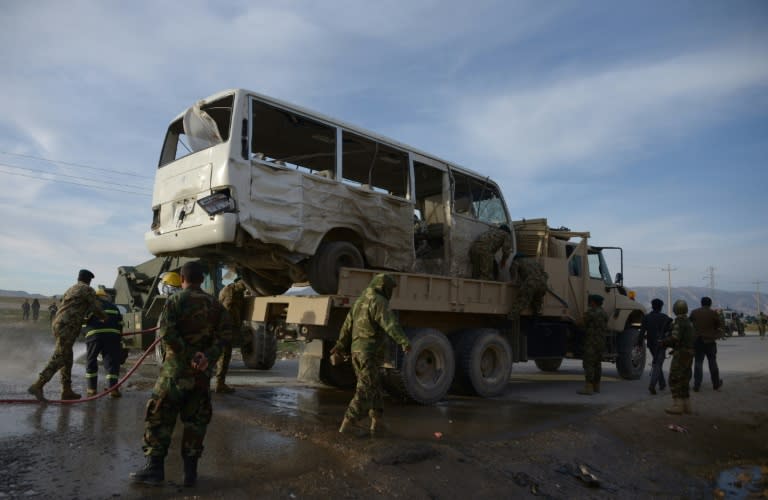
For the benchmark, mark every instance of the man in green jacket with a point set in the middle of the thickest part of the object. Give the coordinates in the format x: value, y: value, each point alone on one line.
x: 364, y: 333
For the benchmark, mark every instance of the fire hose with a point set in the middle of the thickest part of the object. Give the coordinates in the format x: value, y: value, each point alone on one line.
x: 106, y: 391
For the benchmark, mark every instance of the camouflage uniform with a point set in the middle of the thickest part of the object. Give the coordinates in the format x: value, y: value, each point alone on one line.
x: 191, y: 321
x: 595, y: 329
x: 532, y: 285
x: 364, y: 334
x: 681, y: 340
x: 483, y: 250
x: 232, y: 297
x: 76, y: 303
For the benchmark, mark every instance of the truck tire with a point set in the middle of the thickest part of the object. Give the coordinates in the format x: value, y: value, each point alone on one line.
x: 426, y: 373
x: 263, y: 286
x: 483, y: 362
x: 630, y: 361
x: 261, y: 352
x: 341, y: 376
x: 323, y: 271
x: 549, y: 365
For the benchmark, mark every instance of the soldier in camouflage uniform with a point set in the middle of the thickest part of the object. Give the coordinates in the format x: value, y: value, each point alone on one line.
x: 232, y: 297
x: 682, y: 340
x: 77, y: 302
x: 364, y: 334
x: 595, y: 330
x: 532, y: 284
x: 193, y: 327
x: 483, y: 250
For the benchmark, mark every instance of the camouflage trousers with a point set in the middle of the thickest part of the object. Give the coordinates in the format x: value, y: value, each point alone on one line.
x: 680, y: 374
x: 222, y: 364
x: 482, y: 264
x: 368, y: 392
x: 185, y: 398
x: 593, y: 368
x: 62, y: 353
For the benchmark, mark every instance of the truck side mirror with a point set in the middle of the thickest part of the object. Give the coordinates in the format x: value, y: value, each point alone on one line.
x: 619, y: 279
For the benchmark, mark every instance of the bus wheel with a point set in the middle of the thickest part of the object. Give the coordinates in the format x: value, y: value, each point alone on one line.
x: 425, y: 373
x: 549, y: 365
x: 630, y: 362
x: 483, y: 362
x: 324, y: 266
x: 261, y: 352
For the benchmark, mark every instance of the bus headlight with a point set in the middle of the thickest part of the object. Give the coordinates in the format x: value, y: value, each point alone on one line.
x: 217, y: 203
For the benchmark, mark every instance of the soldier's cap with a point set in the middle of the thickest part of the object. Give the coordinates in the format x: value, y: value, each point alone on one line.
x: 85, y: 275
x: 597, y: 299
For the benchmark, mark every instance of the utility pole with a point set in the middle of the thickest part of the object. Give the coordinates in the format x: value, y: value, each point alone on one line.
x: 711, y: 278
x: 757, y: 285
x: 669, y: 270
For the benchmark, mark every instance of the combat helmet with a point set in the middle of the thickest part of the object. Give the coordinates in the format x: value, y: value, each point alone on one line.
x: 680, y: 307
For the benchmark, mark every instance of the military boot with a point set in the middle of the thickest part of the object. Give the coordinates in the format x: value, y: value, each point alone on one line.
x: 375, y: 421
x: 346, y: 425
x: 588, y: 389
x: 36, y: 390
x: 90, y: 392
x: 67, y: 394
x: 115, y: 393
x: 222, y: 388
x: 190, y: 471
x: 687, y: 406
x: 676, y: 408
x: 153, y: 472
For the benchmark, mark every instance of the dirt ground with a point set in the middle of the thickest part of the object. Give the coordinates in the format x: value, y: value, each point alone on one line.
x: 634, y: 450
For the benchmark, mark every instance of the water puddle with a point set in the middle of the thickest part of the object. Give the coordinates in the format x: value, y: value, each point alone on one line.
x: 746, y: 481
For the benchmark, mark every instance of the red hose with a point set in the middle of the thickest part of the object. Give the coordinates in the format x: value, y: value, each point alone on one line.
x: 101, y: 394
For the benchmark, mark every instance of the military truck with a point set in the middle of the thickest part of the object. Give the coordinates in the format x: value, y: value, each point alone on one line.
x: 463, y: 334
x: 732, y: 323
x: 136, y: 294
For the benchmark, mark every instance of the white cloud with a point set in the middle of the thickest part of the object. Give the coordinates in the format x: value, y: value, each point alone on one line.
x: 604, y: 113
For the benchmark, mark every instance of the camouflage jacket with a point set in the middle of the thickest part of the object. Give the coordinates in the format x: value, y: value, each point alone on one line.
x: 113, y: 324
x: 595, y: 330
x: 77, y: 302
x: 191, y: 321
x: 232, y: 297
x: 681, y: 338
x: 368, y: 323
x: 707, y: 324
x: 493, y: 240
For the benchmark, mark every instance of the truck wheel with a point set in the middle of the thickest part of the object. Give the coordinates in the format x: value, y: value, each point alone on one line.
x: 427, y: 371
x: 263, y: 286
x: 261, y: 352
x: 483, y: 362
x: 323, y: 271
x: 549, y: 365
x: 630, y: 361
x: 342, y: 376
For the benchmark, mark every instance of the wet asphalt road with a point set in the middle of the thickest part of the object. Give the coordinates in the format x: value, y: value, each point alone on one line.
x: 87, y: 450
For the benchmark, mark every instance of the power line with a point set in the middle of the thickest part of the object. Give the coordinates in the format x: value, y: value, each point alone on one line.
x: 105, y: 188
x: 72, y: 176
x: 79, y: 165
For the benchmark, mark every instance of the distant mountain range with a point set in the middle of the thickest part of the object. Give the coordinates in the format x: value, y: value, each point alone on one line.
x: 744, y: 302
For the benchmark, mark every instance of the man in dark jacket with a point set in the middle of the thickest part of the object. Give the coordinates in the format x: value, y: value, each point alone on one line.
x: 708, y: 327
x: 655, y: 327
x: 103, y: 337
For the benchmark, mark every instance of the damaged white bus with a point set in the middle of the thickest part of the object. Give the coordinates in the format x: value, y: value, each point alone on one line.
x: 287, y: 195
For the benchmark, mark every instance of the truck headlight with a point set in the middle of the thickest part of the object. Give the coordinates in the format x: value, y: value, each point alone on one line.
x: 217, y: 203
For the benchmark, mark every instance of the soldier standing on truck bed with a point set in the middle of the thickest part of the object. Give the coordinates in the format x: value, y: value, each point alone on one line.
x: 78, y: 300
x: 193, y: 326
x: 681, y: 340
x: 595, y: 330
x: 483, y: 250
x: 532, y: 284
x: 363, y: 334
x: 232, y: 297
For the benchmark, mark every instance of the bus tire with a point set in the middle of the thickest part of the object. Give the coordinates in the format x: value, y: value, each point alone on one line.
x: 426, y: 372
x: 630, y: 361
x: 483, y: 362
x: 324, y: 266
x: 549, y: 365
x: 261, y: 352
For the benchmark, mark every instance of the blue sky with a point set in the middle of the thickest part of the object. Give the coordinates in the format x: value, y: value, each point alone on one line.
x: 645, y: 123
